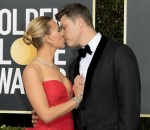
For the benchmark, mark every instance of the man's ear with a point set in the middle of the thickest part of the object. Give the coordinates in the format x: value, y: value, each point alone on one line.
x: 79, y: 22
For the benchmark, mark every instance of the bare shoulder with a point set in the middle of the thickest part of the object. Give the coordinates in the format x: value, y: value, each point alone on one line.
x: 32, y: 70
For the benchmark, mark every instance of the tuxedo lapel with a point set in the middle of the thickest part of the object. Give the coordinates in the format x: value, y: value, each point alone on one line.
x: 93, y: 65
x: 76, y: 69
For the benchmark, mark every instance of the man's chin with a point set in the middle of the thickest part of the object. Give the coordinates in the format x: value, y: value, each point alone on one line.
x: 69, y: 45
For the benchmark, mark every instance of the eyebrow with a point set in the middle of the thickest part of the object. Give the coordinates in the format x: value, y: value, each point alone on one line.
x: 62, y: 25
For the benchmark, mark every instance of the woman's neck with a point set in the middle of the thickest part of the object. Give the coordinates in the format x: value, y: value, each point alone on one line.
x: 46, y: 54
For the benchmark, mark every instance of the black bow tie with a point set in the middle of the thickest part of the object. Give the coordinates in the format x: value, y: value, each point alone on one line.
x: 82, y: 52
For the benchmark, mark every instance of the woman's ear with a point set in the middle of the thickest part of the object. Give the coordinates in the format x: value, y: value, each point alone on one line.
x: 48, y: 39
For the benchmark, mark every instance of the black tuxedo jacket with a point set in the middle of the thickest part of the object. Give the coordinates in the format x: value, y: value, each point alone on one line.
x: 111, y: 99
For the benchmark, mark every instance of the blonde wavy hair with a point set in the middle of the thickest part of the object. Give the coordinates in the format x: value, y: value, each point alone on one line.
x: 36, y: 30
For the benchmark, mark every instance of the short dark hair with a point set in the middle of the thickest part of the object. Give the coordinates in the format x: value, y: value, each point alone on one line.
x: 74, y: 10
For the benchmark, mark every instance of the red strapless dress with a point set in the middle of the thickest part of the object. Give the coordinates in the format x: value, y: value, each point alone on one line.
x: 56, y: 93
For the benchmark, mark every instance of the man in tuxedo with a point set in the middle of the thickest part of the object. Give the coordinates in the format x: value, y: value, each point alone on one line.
x: 111, y: 99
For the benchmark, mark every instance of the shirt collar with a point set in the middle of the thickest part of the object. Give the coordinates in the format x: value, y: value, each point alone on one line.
x: 94, y: 42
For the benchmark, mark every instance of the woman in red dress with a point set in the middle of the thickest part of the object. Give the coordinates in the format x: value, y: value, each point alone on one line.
x: 48, y: 90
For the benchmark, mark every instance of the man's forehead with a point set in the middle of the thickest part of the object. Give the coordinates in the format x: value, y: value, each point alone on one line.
x: 62, y: 23
x: 64, y: 19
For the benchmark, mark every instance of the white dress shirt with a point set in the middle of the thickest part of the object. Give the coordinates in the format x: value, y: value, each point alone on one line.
x: 85, y: 62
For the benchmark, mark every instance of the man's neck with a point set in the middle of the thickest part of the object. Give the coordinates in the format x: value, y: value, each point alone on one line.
x: 87, y: 36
